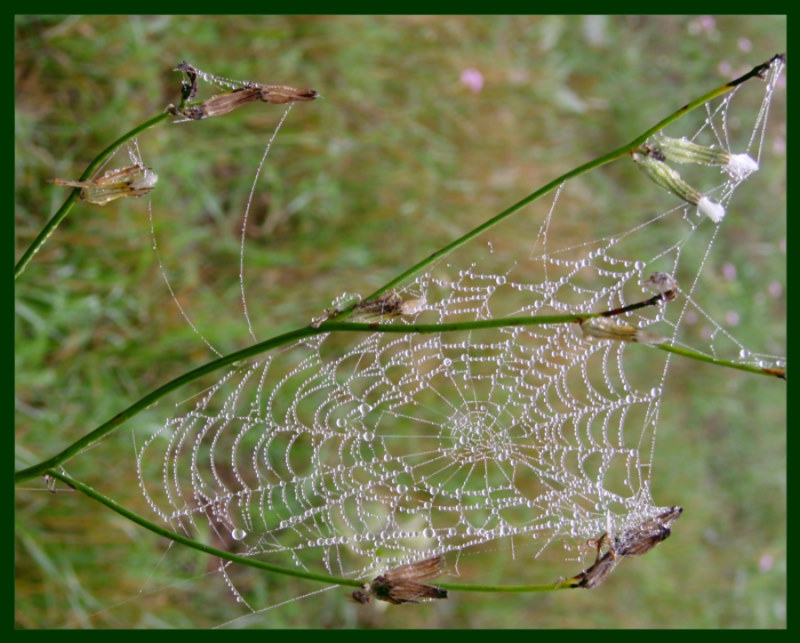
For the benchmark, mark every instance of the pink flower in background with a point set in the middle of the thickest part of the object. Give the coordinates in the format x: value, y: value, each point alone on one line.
x: 473, y: 79
x: 707, y: 23
x: 729, y: 270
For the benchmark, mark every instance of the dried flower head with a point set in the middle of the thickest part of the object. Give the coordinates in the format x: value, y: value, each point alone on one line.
x: 634, y: 542
x: 224, y: 103
x: 665, y: 284
x: 642, y: 538
x: 133, y: 180
x: 605, y: 328
x: 401, y: 584
x: 390, y: 304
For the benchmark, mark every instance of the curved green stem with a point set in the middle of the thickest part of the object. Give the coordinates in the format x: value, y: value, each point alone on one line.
x: 106, y: 428
x: 780, y: 373
x: 757, y: 71
x: 258, y: 564
x: 62, y: 212
x: 528, y: 589
x: 171, y: 535
x: 337, y: 326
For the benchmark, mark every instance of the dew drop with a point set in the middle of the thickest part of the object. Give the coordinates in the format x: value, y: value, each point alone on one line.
x: 238, y: 534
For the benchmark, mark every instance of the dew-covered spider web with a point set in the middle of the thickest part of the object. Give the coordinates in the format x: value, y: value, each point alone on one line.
x: 349, y: 453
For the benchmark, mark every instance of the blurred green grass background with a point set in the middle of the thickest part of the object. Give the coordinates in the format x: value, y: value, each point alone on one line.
x: 396, y: 159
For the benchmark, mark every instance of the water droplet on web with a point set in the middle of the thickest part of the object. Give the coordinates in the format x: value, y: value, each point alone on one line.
x: 238, y: 534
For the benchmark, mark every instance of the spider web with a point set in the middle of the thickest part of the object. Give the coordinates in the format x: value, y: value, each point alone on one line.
x: 349, y: 454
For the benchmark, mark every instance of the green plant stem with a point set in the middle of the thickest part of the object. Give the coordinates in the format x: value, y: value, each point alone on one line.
x: 258, y: 564
x: 166, y: 533
x: 105, y: 428
x: 757, y: 71
x: 336, y: 326
x: 780, y: 373
x: 62, y: 212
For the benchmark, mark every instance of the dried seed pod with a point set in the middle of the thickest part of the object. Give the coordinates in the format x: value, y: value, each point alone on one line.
x: 390, y: 304
x: 642, y: 538
x: 605, y: 328
x: 224, y: 103
x: 597, y: 573
x: 665, y: 284
x: 280, y: 94
x: 401, y: 584
x: 133, y: 180
x: 633, y: 542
